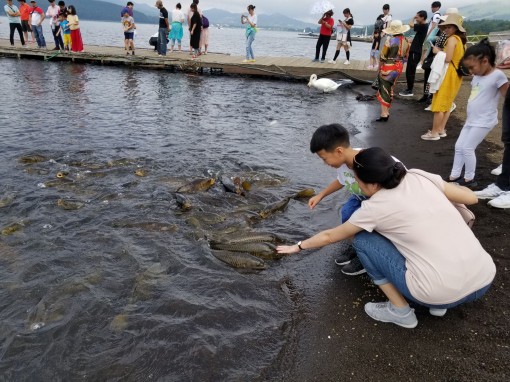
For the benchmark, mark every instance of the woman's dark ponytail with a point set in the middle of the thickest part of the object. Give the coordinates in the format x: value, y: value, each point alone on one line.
x: 482, y: 49
x: 374, y: 165
x: 395, y: 175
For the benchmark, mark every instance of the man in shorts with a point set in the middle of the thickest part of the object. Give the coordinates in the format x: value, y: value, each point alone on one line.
x: 24, y: 11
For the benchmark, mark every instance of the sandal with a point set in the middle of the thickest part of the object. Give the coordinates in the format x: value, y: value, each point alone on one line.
x: 430, y: 137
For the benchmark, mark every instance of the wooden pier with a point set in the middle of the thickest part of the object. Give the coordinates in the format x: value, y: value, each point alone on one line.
x: 286, y: 68
x: 276, y: 67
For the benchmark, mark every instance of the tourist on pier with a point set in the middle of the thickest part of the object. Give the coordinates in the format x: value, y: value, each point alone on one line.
x: 419, y: 25
x: 52, y: 14
x: 386, y: 22
x: 204, y: 36
x: 442, y: 100
x: 343, y: 36
x: 432, y: 30
x: 190, y: 13
x: 487, y: 85
x: 36, y: 18
x: 63, y: 31
x: 375, y: 50
x: 499, y: 192
x: 393, y: 54
x: 195, y: 29
x: 13, y: 16
x: 128, y: 23
x: 24, y: 11
x: 428, y: 256
x: 176, y: 33
x: 326, y: 22
x: 62, y: 9
x: 164, y: 28
x: 251, y: 30
x: 128, y: 8
x: 74, y: 26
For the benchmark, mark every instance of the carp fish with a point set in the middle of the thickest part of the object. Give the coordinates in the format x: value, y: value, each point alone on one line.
x: 248, y: 237
x: 197, y: 185
x: 69, y: 204
x: 263, y: 250
x: 240, y: 260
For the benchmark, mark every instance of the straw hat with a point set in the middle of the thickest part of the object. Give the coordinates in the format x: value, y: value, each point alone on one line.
x: 396, y: 27
x: 453, y: 20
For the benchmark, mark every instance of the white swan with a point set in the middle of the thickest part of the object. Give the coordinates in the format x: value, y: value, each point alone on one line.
x: 325, y: 84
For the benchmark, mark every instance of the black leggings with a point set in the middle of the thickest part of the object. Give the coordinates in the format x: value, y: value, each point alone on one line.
x: 323, y: 42
x: 15, y: 26
x: 412, y: 63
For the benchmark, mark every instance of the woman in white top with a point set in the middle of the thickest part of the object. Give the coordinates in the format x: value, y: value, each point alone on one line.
x: 176, y: 32
x: 423, y: 250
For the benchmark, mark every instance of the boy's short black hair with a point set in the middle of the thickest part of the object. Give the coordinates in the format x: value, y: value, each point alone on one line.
x: 422, y: 14
x: 129, y: 3
x: 386, y: 6
x: 329, y: 137
x: 436, y: 4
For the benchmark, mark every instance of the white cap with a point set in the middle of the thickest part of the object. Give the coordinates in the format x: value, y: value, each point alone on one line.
x: 449, y: 11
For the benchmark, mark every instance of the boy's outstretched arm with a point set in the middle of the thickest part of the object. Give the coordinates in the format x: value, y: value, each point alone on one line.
x: 333, y: 187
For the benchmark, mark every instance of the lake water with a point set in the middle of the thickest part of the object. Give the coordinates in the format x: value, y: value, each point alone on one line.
x: 126, y: 287
x: 226, y: 40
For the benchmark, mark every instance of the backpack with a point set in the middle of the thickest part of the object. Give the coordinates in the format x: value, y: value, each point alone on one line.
x: 205, y: 22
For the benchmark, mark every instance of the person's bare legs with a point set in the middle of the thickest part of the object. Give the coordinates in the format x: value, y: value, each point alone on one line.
x: 439, y: 123
x: 394, y: 296
x: 385, y: 111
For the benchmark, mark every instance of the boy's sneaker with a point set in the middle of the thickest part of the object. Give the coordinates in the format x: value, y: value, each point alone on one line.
x: 315, y: 60
x: 437, y: 312
x: 490, y: 192
x: 354, y: 268
x: 346, y: 257
x: 381, y: 311
x: 347, y: 62
x: 428, y: 108
x: 406, y: 93
x: 498, y: 170
x: 418, y: 67
x: 424, y: 98
x: 332, y: 61
x: 502, y: 201
x: 322, y: 61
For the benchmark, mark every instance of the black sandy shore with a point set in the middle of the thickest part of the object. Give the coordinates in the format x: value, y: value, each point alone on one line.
x: 337, y: 341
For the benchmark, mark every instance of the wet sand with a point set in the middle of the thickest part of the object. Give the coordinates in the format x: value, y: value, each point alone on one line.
x: 337, y: 341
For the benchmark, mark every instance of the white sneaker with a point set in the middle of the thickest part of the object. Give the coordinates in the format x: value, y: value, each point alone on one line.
x: 246, y: 60
x: 347, y: 62
x: 498, y: 170
x: 453, y: 107
x: 418, y: 67
x: 370, y: 67
x: 427, y: 108
x: 502, y: 201
x: 437, y: 312
x: 381, y: 312
x: 490, y: 192
x: 332, y: 61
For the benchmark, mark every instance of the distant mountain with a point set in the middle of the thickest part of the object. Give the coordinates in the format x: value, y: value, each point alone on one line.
x: 495, y: 9
x: 275, y: 21
x: 105, y: 11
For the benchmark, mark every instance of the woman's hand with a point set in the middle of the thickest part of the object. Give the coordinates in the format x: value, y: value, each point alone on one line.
x: 288, y: 249
x: 435, y: 49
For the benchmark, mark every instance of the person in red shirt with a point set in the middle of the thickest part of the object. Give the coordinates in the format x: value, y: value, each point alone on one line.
x: 327, y: 22
x: 24, y: 11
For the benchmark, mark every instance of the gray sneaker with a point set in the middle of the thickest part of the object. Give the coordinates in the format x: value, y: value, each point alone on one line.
x: 354, y: 268
x: 381, y: 311
x: 346, y: 257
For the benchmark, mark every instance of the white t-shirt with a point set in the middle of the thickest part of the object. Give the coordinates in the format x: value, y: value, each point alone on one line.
x: 177, y: 16
x: 252, y: 19
x: 387, y: 20
x: 482, y: 107
x: 36, y: 16
x: 345, y: 177
x: 444, y: 260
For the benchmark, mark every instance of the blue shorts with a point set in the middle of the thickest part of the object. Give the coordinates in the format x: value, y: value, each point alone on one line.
x: 374, y: 53
x: 350, y: 206
x: 129, y: 35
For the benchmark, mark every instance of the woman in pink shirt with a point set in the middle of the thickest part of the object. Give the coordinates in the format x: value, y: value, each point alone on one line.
x: 412, y: 240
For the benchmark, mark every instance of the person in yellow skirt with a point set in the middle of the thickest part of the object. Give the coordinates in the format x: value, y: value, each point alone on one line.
x: 442, y: 101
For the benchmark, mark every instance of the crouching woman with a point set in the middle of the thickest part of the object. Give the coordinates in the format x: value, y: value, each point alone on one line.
x: 412, y: 240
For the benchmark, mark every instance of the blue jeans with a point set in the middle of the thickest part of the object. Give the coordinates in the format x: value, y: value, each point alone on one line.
x: 249, y: 50
x: 39, y: 36
x: 350, y: 206
x: 162, y: 41
x: 385, y: 264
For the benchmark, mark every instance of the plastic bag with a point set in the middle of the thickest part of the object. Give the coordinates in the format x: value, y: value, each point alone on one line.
x: 503, y: 54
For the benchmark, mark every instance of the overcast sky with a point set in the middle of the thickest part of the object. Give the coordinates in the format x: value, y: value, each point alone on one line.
x: 364, y: 11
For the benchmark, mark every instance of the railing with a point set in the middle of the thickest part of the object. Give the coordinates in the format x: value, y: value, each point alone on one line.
x: 493, y: 37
